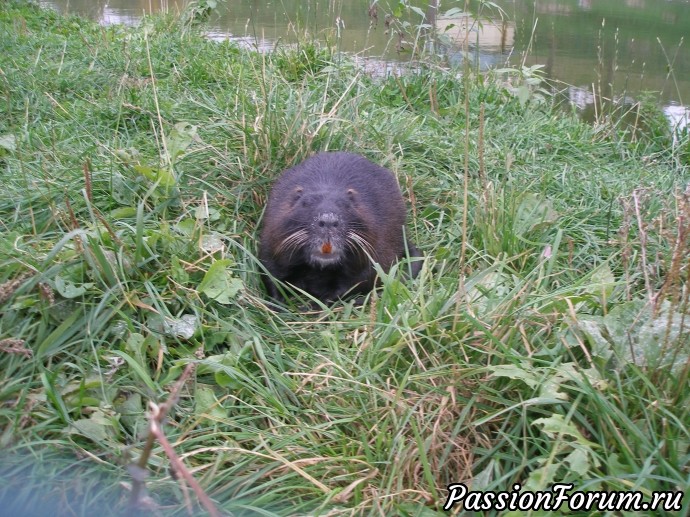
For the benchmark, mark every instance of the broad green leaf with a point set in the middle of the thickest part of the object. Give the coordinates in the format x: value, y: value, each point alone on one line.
x: 578, y: 460
x: 203, y: 212
x: 186, y: 226
x: 514, y: 372
x: 183, y: 327
x: 555, y: 426
x: 451, y: 13
x: 522, y: 93
x: 603, y: 281
x: 135, y: 345
x: 97, y: 428
x: 219, y: 284
x: 640, y: 336
x: 126, y: 212
x: 419, y: 11
x: 180, y: 138
x: 131, y: 410
x: 593, y: 329
x: 164, y: 177
x: 69, y: 290
x: 542, y: 477
x: 8, y: 142
x: 207, y: 406
x: 212, y: 243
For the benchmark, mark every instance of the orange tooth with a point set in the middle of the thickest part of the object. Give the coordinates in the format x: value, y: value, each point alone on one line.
x: 326, y: 248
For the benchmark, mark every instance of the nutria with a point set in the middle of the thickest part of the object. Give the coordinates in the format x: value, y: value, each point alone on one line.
x: 326, y: 219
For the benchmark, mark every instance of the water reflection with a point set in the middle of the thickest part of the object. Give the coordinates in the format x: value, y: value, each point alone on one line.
x: 609, y: 47
x: 492, y: 36
x: 486, y: 42
x: 679, y: 117
x: 111, y: 12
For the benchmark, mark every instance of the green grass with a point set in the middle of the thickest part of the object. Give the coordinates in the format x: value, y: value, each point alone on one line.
x: 135, y: 164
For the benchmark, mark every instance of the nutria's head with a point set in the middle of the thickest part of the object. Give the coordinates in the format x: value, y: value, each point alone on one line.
x: 324, y: 228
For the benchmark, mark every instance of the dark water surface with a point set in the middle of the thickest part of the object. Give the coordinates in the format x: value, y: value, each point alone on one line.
x: 615, y: 49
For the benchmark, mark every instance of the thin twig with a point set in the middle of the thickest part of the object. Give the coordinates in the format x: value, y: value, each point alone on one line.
x: 643, y: 247
x: 158, y: 415
x: 177, y: 464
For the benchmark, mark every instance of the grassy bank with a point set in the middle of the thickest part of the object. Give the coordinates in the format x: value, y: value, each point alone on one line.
x: 544, y: 341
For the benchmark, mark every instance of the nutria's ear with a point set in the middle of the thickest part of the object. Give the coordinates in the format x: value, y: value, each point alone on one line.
x: 351, y: 193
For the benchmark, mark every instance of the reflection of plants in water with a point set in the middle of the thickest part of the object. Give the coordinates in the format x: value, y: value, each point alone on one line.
x: 617, y: 114
x: 199, y: 11
x: 432, y: 33
x: 464, y: 32
x: 405, y: 34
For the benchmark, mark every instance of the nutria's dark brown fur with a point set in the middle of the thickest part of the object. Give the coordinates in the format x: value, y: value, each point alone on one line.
x: 325, y: 217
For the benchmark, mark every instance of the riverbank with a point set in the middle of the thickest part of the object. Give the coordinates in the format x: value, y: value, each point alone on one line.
x: 136, y: 162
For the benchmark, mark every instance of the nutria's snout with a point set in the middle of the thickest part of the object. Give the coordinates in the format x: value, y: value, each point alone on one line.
x: 327, y: 240
x: 327, y: 221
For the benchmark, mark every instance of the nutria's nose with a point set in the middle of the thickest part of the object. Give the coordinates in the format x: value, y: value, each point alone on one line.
x: 327, y: 220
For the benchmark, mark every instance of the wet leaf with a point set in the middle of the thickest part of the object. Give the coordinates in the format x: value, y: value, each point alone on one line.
x: 219, y: 284
x: 578, y: 460
x: 8, y: 142
x: 207, y: 406
x: 164, y: 177
x: 180, y: 138
x: 555, y: 426
x: 513, y: 372
x: 69, y: 290
x: 183, y: 327
x: 97, y: 428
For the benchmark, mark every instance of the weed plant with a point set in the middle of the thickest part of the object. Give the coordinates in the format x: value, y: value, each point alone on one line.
x: 545, y: 340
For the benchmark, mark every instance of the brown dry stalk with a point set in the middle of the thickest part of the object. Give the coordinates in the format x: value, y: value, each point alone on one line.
x: 112, y: 233
x: 643, y: 246
x: 480, y: 145
x: 157, y: 419
x: 680, y: 247
x: 624, y: 237
x: 433, y: 98
x: 683, y: 378
x: 75, y: 224
x: 157, y: 415
x: 461, y: 294
x: 87, y: 181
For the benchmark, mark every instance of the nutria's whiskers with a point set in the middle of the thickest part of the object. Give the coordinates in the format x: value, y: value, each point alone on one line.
x: 357, y: 242
x: 292, y: 242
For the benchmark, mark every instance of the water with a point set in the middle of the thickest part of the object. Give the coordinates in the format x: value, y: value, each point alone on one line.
x: 610, y: 49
